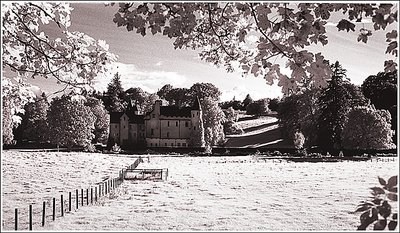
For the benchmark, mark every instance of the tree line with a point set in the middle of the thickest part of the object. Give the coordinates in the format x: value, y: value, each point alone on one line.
x: 343, y: 115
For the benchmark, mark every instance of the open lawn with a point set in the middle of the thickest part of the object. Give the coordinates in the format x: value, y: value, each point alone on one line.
x: 201, y: 193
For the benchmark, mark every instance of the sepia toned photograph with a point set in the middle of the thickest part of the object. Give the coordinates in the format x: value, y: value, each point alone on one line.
x: 199, y: 116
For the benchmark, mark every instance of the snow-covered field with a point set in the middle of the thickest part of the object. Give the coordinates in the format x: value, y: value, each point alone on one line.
x: 220, y: 193
x: 34, y: 177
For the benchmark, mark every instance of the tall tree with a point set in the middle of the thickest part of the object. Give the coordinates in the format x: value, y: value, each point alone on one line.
x: 34, y: 125
x: 138, y: 97
x: 15, y: 95
x: 335, y: 102
x: 149, y: 102
x: 162, y: 93
x: 203, y: 90
x: 300, y: 113
x: 258, y: 107
x: 381, y: 89
x: 115, y: 95
x: 180, y: 97
x: 248, y: 100
x: 274, y: 104
x: 7, y: 122
x: 284, y: 30
x: 102, y: 119
x: 213, y: 118
x: 367, y: 128
x: 71, y: 123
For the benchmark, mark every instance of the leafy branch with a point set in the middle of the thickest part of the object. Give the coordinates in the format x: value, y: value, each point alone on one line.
x: 378, y: 210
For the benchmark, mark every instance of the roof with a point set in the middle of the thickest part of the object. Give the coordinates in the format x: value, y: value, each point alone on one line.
x: 170, y: 111
x: 115, y: 117
x: 135, y: 119
x: 196, y: 104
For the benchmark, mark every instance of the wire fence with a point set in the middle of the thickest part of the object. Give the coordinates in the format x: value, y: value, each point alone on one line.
x: 39, y: 214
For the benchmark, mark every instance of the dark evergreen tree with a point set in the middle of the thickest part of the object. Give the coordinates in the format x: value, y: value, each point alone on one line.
x: 246, y: 101
x: 115, y: 95
x: 335, y: 102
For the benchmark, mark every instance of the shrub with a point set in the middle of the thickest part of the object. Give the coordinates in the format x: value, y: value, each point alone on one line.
x: 231, y: 127
x: 299, y: 140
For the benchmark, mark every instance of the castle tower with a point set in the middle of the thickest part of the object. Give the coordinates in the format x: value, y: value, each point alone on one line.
x: 197, y: 129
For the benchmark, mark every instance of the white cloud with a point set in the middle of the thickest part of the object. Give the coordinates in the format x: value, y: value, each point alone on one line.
x: 131, y: 76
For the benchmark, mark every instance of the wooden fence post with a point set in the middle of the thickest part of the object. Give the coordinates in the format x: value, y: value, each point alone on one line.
x: 16, y: 219
x: 77, y: 198
x: 95, y: 194
x: 82, y: 197
x: 62, y: 205
x: 54, y: 208
x: 87, y: 196
x: 91, y: 195
x: 99, y: 190
x: 70, y: 199
x: 44, y: 214
x: 30, y: 217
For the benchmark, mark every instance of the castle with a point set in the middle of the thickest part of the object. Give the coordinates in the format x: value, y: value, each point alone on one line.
x: 164, y: 126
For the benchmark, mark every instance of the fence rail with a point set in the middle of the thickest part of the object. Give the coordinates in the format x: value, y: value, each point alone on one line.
x: 86, y: 197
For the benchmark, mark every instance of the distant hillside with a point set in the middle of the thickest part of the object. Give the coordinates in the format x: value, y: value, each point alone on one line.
x: 260, y: 132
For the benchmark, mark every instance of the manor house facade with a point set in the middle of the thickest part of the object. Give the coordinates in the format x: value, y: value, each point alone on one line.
x: 164, y: 126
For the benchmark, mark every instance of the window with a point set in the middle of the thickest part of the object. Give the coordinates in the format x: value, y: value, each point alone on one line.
x: 176, y: 124
x: 194, y: 127
x: 172, y: 144
x: 197, y: 113
x: 184, y: 144
x: 154, y: 115
x: 156, y: 144
x: 116, y: 126
x: 151, y: 144
x: 179, y: 144
x: 165, y: 144
x: 186, y: 124
x: 152, y: 132
x: 193, y: 115
x: 167, y: 134
x: 168, y: 123
x: 124, y: 126
x: 124, y: 118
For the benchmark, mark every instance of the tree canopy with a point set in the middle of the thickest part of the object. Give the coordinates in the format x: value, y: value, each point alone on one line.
x: 285, y: 30
x: 72, y: 58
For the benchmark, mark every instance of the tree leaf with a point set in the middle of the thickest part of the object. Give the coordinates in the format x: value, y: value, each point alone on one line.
x: 364, y: 208
x: 393, y: 189
x: 392, y: 225
x: 382, y: 181
x: 394, y: 216
x: 385, y: 209
x: 377, y: 190
x: 380, y: 225
x: 392, y: 196
x: 392, y: 182
x: 345, y: 25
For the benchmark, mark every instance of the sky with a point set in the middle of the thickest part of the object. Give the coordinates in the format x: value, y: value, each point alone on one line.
x: 150, y: 62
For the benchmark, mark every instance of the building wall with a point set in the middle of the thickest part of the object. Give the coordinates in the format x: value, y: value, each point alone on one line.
x: 174, y: 127
x: 153, y: 122
x: 124, y: 124
x: 114, y: 132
